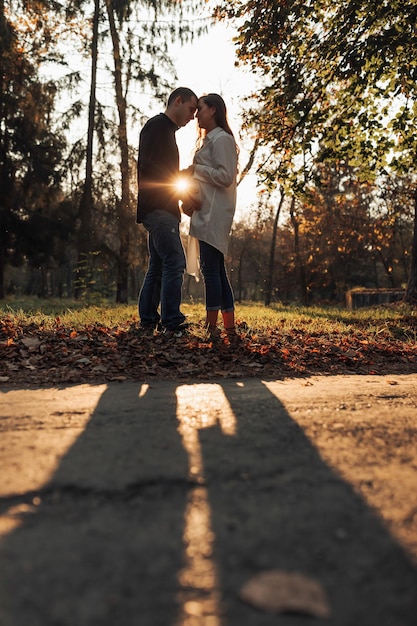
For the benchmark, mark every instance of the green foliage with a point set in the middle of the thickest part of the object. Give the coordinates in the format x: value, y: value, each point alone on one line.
x: 40, y: 176
x: 338, y: 86
x: 338, y: 75
x: 30, y: 148
x: 254, y: 317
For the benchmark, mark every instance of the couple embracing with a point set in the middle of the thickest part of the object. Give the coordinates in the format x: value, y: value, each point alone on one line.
x: 210, y: 202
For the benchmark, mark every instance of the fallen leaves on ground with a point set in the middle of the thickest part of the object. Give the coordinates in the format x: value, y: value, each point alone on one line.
x: 286, y: 592
x: 32, y: 354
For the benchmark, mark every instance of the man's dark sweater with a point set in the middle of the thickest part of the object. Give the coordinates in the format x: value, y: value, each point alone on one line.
x: 158, y: 167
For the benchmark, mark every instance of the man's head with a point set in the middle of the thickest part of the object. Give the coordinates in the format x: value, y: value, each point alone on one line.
x: 182, y: 105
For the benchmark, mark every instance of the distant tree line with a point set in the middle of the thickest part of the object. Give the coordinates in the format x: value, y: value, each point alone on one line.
x: 331, y: 128
x: 338, y: 237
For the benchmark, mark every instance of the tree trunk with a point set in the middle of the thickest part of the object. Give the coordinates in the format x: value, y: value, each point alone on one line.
x: 123, y: 209
x: 240, y: 270
x: 2, y: 289
x: 2, y: 155
x: 270, y: 275
x: 386, y: 268
x: 239, y: 276
x: 411, y: 290
x: 86, y: 235
x: 299, y: 263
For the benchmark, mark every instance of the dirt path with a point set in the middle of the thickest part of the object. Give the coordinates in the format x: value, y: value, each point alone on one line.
x: 136, y: 505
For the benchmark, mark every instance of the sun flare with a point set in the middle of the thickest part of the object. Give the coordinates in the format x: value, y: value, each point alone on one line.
x: 182, y: 184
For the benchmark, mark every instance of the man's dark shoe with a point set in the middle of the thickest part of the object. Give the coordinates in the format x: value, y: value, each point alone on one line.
x: 145, y: 330
x: 180, y: 331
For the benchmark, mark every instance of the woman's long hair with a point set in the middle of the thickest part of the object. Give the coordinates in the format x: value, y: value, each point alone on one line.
x: 216, y: 101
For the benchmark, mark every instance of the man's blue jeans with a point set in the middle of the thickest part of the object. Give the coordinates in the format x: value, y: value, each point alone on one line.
x: 219, y: 294
x: 164, y: 277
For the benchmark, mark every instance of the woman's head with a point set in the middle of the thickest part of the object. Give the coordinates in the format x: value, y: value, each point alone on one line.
x: 212, y: 112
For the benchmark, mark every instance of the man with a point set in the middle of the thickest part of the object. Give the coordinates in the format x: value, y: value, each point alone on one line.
x: 158, y: 211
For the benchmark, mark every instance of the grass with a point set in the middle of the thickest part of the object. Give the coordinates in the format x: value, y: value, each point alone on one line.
x: 398, y: 321
x: 70, y: 312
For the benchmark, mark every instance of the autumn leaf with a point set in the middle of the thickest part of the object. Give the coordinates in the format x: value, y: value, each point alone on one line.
x: 276, y: 591
x: 32, y: 343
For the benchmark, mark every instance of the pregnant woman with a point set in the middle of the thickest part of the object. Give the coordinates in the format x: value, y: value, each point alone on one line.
x: 215, y: 169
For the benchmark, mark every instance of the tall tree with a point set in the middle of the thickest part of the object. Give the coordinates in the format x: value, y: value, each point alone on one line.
x: 138, y: 45
x: 124, y: 212
x: 85, y: 232
x: 338, y: 77
x: 119, y: 13
x: 30, y: 151
x: 271, y: 261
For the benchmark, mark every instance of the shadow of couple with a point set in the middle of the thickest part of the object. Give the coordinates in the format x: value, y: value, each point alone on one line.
x: 172, y: 496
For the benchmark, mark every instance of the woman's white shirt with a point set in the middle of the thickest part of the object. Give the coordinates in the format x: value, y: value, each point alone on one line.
x: 215, y: 170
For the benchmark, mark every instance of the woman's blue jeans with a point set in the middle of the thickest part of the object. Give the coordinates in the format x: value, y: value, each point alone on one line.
x: 219, y: 294
x: 164, y: 277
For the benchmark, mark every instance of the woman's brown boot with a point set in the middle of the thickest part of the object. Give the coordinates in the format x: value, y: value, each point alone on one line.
x: 229, y: 326
x: 211, y: 324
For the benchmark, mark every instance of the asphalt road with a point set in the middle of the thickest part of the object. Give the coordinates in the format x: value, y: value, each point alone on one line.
x: 134, y: 504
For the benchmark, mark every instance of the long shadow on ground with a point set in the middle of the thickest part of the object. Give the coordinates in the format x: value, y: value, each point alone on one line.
x: 171, y: 499
x: 277, y: 505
